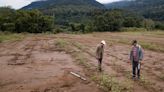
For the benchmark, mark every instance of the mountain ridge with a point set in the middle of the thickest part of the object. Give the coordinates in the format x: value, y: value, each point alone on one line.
x: 153, y: 9
x: 49, y: 3
x: 66, y: 11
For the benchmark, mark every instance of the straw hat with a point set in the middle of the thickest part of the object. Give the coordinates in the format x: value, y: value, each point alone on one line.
x: 103, y: 42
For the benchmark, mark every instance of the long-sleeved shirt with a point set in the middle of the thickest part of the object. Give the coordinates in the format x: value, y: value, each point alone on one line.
x: 99, y: 51
x: 136, y: 53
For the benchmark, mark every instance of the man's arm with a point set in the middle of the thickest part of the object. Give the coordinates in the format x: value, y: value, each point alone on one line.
x: 97, y: 49
x: 130, y: 56
x: 141, y: 54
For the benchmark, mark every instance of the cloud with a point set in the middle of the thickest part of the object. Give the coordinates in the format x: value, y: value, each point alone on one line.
x: 16, y: 4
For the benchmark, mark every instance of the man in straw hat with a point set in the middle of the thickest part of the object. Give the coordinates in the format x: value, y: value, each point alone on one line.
x: 99, y: 53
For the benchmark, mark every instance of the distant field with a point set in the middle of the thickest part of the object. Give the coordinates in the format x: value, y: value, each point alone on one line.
x: 149, y: 40
x: 43, y: 62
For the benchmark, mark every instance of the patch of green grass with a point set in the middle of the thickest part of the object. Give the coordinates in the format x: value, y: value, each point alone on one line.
x: 133, y: 29
x: 10, y: 37
x: 144, y: 82
x: 62, y: 45
x: 110, y: 84
x: 152, y: 46
x: 162, y: 77
x: 148, y: 84
x: 78, y: 45
x: 145, y: 45
x: 82, y: 60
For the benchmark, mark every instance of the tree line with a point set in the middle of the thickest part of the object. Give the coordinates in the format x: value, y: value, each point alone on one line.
x: 33, y: 21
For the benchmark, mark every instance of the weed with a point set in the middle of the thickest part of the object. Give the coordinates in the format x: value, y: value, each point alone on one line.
x: 146, y: 83
x: 110, y: 84
x: 62, y: 45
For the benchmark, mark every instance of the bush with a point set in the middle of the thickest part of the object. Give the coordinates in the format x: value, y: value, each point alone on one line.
x: 148, y: 24
x: 159, y: 25
x: 31, y: 21
x: 57, y: 30
x: 8, y: 27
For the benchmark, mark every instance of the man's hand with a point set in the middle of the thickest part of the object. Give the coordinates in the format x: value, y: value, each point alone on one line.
x: 141, y: 61
x: 97, y: 58
x: 129, y: 61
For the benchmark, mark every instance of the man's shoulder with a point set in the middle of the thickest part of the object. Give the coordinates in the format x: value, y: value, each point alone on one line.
x: 98, y: 46
x: 139, y: 46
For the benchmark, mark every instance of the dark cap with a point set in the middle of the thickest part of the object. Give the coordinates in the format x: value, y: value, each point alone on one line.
x: 134, y: 41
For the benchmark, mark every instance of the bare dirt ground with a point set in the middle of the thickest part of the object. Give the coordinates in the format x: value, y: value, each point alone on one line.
x: 34, y: 64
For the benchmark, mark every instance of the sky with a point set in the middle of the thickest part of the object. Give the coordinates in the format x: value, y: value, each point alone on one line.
x: 17, y: 4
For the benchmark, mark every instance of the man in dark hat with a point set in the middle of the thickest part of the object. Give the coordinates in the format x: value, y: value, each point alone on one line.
x: 136, y: 56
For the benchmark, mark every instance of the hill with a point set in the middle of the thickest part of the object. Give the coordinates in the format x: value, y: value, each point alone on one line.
x: 153, y: 9
x: 53, y: 3
x: 66, y: 11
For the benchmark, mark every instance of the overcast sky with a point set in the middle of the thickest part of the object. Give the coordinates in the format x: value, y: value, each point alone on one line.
x: 16, y: 4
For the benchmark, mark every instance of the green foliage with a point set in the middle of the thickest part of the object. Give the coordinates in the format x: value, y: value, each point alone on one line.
x: 110, y: 21
x: 88, y: 28
x: 133, y: 29
x: 148, y: 24
x: 151, y: 9
x: 67, y: 11
x: 24, y: 21
x: 77, y: 27
x: 114, y: 20
x: 33, y: 22
x: 6, y: 19
x: 62, y: 45
x: 159, y: 25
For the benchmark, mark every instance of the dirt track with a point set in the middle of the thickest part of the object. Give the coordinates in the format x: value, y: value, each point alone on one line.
x: 34, y: 65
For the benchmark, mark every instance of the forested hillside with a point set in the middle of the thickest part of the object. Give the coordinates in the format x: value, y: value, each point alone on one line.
x: 153, y: 9
x: 66, y: 11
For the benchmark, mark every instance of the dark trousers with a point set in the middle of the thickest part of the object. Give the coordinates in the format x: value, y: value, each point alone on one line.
x: 136, y: 66
x: 99, y: 64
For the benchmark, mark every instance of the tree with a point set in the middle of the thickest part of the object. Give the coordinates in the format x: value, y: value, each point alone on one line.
x: 110, y: 21
x: 32, y: 21
x: 114, y: 20
x: 148, y: 24
x: 6, y: 19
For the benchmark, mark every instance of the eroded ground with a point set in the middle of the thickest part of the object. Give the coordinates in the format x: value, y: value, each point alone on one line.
x: 36, y: 65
